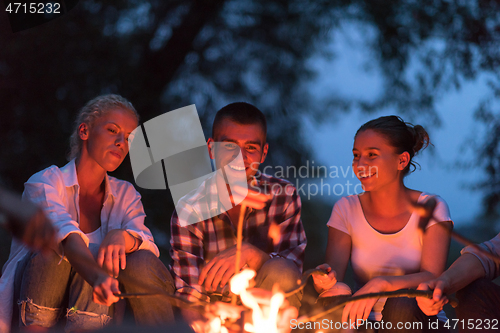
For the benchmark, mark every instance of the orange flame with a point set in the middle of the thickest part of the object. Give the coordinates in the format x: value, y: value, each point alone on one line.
x: 264, y: 320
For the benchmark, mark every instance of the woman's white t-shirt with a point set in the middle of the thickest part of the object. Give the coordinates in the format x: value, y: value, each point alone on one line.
x: 376, y: 254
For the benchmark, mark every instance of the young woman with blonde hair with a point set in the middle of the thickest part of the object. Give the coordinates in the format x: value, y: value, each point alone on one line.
x: 101, y: 233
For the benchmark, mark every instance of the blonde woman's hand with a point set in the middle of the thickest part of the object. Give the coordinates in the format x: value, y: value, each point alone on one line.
x: 104, y: 289
x: 111, y: 254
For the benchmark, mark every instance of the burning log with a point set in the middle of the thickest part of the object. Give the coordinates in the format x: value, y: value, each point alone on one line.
x: 389, y: 294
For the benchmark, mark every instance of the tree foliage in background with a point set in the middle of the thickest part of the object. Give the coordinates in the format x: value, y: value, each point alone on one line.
x: 487, y: 148
x: 163, y: 55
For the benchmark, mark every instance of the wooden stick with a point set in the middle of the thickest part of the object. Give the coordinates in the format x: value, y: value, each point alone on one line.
x: 411, y: 293
x: 461, y: 239
x: 147, y: 290
x: 303, y: 281
x: 426, y: 212
x: 239, y: 240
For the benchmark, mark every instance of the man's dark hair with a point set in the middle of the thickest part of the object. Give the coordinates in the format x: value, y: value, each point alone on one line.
x: 241, y: 113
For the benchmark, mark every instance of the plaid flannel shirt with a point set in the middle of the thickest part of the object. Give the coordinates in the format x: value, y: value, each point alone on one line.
x: 193, y: 245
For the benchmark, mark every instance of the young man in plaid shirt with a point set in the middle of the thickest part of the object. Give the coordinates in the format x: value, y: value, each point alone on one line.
x: 204, y: 226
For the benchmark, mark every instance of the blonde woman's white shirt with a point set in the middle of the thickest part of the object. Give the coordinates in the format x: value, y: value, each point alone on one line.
x: 376, y: 254
x: 56, y: 190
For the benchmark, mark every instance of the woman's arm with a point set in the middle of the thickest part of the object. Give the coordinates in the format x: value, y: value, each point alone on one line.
x: 338, y: 252
x: 113, y: 248
x: 83, y: 262
x: 127, y: 232
x: 46, y: 189
x: 436, y: 243
x: 435, y: 246
x: 133, y: 220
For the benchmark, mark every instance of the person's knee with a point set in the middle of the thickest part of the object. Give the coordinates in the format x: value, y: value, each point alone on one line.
x: 474, y: 297
x: 473, y: 291
x: 282, y: 271
x: 145, y: 267
x: 401, y: 309
x: 49, y: 261
x: 44, y: 280
x: 140, y: 261
x: 45, y: 268
x: 33, y: 314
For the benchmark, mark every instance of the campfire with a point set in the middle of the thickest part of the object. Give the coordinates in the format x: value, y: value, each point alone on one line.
x: 268, y: 311
x: 262, y: 311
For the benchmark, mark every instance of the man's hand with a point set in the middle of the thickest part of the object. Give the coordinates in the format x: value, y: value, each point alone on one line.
x: 432, y: 306
x: 111, y: 254
x: 104, y: 289
x: 220, y: 269
x: 361, y: 309
x: 324, y: 282
x: 252, y: 197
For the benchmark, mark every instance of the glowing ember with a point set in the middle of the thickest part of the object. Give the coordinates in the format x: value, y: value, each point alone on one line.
x: 216, y: 326
x: 213, y: 326
x: 274, y: 232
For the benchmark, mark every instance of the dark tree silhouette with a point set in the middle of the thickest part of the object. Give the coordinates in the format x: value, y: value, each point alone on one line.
x: 163, y: 55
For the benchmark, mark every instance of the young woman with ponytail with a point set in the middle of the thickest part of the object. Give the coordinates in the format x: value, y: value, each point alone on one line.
x: 378, y: 230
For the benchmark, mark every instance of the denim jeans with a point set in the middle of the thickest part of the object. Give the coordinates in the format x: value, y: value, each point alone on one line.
x: 405, y: 311
x: 479, y: 303
x: 50, y: 290
x: 150, y: 274
x: 283, y: 272
x: 47, y: 285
